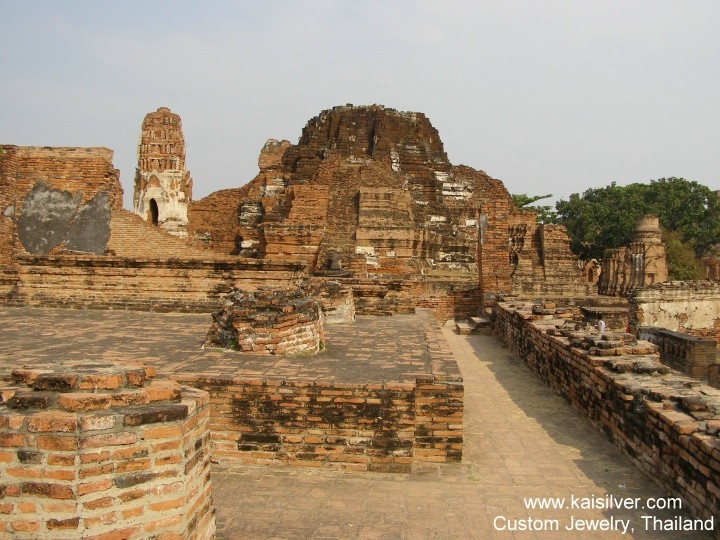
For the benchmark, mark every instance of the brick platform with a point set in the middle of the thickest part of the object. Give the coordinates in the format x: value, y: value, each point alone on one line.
x: 383, y: 394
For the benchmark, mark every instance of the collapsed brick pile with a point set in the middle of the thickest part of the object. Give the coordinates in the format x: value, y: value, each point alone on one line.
x: 268, y: 321
x: 97, y: 451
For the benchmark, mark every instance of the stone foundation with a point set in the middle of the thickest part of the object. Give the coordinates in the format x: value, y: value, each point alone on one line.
x: 666, y: 423
x: 103, y: 453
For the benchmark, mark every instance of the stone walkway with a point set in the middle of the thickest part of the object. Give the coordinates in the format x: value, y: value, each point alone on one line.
x: 521, y: 442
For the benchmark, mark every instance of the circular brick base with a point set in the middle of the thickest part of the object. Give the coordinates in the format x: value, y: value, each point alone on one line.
x: 98, y: 451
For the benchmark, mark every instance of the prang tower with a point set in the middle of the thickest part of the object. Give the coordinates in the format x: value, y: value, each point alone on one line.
x: 163, y: 187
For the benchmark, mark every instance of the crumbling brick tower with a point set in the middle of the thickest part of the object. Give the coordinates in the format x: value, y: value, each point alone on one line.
x: 163, y: 187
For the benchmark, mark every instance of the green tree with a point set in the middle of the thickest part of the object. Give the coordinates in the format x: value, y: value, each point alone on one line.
x: 545, y: 214
x: 603, y: 218
x: 681, y: 260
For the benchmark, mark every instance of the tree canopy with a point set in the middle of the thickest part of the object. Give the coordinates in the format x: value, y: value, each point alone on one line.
x: 604, y: 218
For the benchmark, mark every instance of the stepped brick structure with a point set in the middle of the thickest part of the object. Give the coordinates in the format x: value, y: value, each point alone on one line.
x: 96, y: 451
x: 372, y: 189
x: 163, y: 187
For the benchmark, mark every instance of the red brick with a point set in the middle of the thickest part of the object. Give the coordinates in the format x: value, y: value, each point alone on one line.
x: 56, y: 442
x: 93, y: 487
x: 108, y: 439
x: 84, y: 402
x: 25, y: 525
x: 52, y: 421
x: 117, y: 534
x: 61, y: 460
x: 24, y: 472
x: 103, y: 382
x: 94, y: 457
x: 167, y: 505
x: 161, y: 432
x: 60, y: 474
x: 10, y: 440
x: 70, y: 523
x: 102, y: 502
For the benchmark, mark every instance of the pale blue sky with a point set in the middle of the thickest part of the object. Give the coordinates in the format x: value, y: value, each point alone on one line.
x: 548, y: 96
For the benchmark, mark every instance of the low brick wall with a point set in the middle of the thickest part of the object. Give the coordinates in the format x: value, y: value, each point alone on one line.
x: 103, y: 453
x: 667, y: 424
x: 378, y: 426
x: 690, y: 354
x: 107, y: 282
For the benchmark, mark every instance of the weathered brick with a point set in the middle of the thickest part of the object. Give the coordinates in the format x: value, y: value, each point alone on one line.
x: 153, y: 414
x: 56, y: 442
x: 32, y: 400
x: 69, y: 523
x: 76, y: 401
x: 103, y: 382
x: 97, y: 422
x: 10, y: 440
x: 56, y: 382
x: 52, y: 421
x: 108, y: 439
x: 43, y: 489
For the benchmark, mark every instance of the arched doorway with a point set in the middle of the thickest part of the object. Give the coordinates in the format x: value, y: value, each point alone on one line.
x: 154, y: 212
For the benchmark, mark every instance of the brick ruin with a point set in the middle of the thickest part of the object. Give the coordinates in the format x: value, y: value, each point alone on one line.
x: 371, y: 190
x: 96, y: 451
x: 163, y: 187
x: 666, y: 423
x: 691, y: 307
x: 268, y: 321
x: 367, y: 197
x: 367, y: 215
x: 638, y: 265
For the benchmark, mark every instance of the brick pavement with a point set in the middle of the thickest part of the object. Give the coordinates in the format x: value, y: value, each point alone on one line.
x: 520, y: 441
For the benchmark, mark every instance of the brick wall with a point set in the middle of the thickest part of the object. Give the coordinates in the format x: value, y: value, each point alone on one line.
x: 103, y: 453
x: 667, y: 424
x: 689, y: 307
x: 107, y: 282
x: 690, y: 354
x: 84, y: 171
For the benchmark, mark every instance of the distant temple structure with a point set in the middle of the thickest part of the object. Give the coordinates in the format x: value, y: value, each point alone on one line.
x: 163, y: 187
x: 641, y: 264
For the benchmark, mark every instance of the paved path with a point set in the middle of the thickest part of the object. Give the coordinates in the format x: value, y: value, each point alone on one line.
x: 521, y: 441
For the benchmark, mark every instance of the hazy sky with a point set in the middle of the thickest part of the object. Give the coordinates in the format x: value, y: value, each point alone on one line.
x: 548, y: 96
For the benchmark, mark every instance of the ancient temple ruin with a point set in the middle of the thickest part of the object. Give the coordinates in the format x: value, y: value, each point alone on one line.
x: 163, y: 187
x: 640, y: 264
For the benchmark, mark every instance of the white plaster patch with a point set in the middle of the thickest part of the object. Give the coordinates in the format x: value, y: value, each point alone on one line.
x: 365, y: 250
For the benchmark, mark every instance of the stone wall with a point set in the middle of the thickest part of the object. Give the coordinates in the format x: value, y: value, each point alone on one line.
x: 541, y: 262
x: 383, y: 426
x: 100, y: 452
x: 691, y: 307
x: 666, y: 423
x: 690, y: 354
